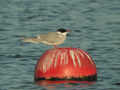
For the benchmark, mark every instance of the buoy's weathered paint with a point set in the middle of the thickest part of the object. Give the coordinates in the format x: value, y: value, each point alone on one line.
x: 65, y: 64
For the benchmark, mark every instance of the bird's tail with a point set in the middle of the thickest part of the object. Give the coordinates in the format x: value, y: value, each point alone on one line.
x: 31, y: 40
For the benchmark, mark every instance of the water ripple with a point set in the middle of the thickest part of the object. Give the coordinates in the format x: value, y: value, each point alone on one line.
x: 95, y: 28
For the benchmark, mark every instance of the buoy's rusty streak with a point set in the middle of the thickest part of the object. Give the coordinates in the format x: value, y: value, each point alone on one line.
x: 73, y: 57
x: 51, y: 60
x: 56, y: 58
x: 81, y: 54
x: 48, y: 62
x: 62, y: 58
x: 44, y: 68
x: 78, y: 59
x: 66, y: 58
x: 89, y: 58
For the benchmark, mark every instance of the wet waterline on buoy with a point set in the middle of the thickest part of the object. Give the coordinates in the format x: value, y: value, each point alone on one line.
x: 87, y: 78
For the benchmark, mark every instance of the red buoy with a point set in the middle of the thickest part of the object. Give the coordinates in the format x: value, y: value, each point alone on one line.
x: 65, y: 64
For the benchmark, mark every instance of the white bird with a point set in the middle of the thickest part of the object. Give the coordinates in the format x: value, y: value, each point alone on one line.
x: 51, y: 38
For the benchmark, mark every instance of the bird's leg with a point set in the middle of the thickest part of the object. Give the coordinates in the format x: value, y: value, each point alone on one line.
x: 55, y: 46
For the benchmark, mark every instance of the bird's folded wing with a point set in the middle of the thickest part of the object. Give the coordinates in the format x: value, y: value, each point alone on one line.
x: 47, y: 37
x: 31, y: 40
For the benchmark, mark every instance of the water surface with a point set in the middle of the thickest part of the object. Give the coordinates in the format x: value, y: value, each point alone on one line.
x: 95, y: 26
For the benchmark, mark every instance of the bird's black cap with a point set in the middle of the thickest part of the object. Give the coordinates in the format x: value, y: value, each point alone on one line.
x: 62, y: 30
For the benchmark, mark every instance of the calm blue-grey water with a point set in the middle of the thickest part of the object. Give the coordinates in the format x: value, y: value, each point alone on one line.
x: 95, y: 26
